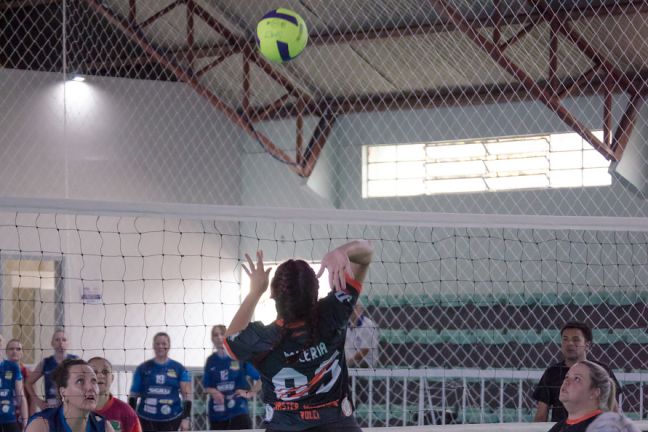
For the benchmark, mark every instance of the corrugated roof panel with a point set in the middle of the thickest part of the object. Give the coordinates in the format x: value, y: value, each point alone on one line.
x: 622, y: 39
x: 340, y: 70
x: 433, y: 60
x: 170, y: 30
x: 226, y: 81
x: 246, y: 14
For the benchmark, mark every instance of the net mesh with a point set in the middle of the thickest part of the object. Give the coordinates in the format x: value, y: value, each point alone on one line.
x: 465, y: 318
x: 411, y: 112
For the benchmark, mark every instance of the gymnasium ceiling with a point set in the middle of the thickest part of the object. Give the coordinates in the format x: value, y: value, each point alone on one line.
x: 363, y: 55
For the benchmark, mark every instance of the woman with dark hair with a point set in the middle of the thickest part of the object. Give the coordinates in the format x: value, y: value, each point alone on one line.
x: 586, y: 392
x: 301, y: 355
x: 163, y: 386
x: 76, y: 387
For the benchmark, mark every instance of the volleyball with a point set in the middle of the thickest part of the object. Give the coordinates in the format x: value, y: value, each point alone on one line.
x: 281, y: 35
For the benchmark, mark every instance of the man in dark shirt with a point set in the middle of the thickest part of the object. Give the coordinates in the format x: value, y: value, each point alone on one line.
x: 576, y: 341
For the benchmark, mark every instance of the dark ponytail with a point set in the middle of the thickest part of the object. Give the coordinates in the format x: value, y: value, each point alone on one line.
x: 294, y: 288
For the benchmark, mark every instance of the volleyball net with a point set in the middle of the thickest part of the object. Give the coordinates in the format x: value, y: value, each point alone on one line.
x: 466, y: 316
x: 494, y: 152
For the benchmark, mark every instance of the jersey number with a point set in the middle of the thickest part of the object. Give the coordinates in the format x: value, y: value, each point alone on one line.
x: 290, y: 384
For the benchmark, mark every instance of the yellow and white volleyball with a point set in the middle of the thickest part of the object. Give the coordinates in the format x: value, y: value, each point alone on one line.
x: 281, y: 35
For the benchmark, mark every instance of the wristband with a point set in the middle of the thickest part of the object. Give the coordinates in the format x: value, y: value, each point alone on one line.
x: 132, y: 401
x: 186, y: 409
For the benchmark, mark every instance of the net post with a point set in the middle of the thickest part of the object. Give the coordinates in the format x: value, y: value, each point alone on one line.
x: 463, y: 400
x: 404, y: 401
x: 371, y: 401
x: 421, y: 401
x: 501, y: 401
x: 520, y: 384
x: 481, y: 401
x: 387, y: 401
x: 641, y: 398
x: 443, y: 400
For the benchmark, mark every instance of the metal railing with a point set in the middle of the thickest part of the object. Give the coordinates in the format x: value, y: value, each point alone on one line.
x: 411, y: 397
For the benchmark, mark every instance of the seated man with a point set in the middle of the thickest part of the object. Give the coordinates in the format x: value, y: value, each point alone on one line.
x: 576, y: 341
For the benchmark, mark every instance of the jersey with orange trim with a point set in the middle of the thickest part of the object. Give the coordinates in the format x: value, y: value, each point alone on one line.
x: 576, y: 425
x: 120, y: 415
x: 305, y: 383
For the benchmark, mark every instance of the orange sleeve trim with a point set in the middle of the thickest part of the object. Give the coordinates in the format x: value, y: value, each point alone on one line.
x: 354, y: 283
x: 583, y: 418
x: 228, y: 350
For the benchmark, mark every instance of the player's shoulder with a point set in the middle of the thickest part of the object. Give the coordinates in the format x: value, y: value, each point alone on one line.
x: 124, y: 407
x: 38, y: 423
x: 175, y: 364
x: 211, y: 358
x: 557, y: 367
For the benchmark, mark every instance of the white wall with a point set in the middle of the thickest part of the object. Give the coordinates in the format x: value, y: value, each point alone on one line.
x: 153, y: 275
x: 114, y: 139
x: 342, y: 159
x: 122, y: 140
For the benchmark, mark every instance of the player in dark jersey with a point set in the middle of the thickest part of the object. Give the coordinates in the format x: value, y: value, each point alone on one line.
x: 120, y: 415
x: 301, y: 355
x: 11, y: 389
x: 159, y: 383
x: 587, y: 392
x: 44, y: 369
x: 76, y: 386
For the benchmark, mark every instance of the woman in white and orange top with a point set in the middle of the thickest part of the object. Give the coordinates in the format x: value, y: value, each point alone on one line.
x: 587, y: 392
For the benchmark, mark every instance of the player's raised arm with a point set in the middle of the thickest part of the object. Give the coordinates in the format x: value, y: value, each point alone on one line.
x: 259, y: 280
x: 351, y: 258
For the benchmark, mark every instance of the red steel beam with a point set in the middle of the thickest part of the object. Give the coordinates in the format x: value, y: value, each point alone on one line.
x: 299, y: 133
x: 442, y: 7
x: 517, y: 36
x: 136, y: 35
x: 585, y: 79
x: 496, y: 93
x: 528, y: 20
x: 159, y: 14
x: 132, y: 10
x: 626, y: 124
x: 269, y: 111
x: 210, y: 66
x: 589, y: 51
x: 245, y: 103
x: 248, y: 45
x: 497, y: 20
x: 317, y: 142
x: 553, y: 53
x: 607, y: 116
x: 216, y: 25
x: 190, y: 31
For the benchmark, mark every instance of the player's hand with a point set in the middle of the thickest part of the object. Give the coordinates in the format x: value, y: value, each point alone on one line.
x: 259, y: 277
x: 41, y: 404
x: 337, y: 263
x: 247, y: 394
x: 218, y: 397
x: 185, y: 425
